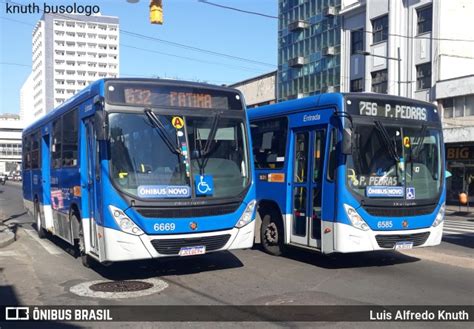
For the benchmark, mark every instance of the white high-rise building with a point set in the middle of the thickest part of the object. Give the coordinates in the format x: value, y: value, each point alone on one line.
x: 70, y: 52
x: 26, y: 101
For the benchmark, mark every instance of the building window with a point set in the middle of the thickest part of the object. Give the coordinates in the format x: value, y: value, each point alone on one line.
x: 357, y: 41
x: 425, y: 16
x: 357, y: 85
x: 459, y: 107
x: 380, y: 29
x: 469, y: 105
x: 379, y: 81
x: 423, y: 76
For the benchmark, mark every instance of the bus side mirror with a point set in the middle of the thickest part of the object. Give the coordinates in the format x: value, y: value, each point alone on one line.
x: 347, y: 141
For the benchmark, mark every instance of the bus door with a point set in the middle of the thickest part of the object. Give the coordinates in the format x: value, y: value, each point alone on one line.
x: 46, y: 180
x: 307, y: 191
x: 91, y: 181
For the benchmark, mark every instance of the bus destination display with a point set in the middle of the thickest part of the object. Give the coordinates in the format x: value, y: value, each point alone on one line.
x: 155, y: 95
x: 390, y: 107
x: 140, y: 96
x: 395, y: 111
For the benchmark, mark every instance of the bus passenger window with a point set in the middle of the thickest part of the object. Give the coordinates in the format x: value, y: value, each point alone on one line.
x: 70, y: 139
x: 269, y: 143
x: 56, y: 145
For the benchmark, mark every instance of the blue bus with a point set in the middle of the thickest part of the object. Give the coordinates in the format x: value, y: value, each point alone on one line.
x: 143, y: 168
x: 349, y: 172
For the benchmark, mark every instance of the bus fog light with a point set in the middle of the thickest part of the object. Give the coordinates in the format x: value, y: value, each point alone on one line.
x: 247, y: 216
x: 355, y: 218
x: 440, y: 216
x: 124, y: 222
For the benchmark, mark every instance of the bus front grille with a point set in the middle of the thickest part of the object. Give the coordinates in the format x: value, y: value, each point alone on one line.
x: 389, y: 241
x: 172, y: 246
x: 400, y: 212
x: 188, y: 212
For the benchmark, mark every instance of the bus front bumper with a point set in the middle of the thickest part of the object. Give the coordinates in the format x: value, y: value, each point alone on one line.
x: 119, y: 246
x: 350, y: 239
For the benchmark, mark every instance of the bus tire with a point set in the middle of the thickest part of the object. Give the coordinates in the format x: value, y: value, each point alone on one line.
x: 80, y: 244
x: 271, y: 234
x: 37, y: 215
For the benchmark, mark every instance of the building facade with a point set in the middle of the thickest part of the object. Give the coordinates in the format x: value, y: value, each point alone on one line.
x: 69, y: 52
x: 10, y: 143
x: 27, y: 101
x: 416, y: 49
x: 259, y: 90
x: 308, y: 48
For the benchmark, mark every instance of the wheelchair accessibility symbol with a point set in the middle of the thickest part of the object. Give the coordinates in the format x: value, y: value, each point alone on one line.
x: 204, y: 185
x: 410, y: 193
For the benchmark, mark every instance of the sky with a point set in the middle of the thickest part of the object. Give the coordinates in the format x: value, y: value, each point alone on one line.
x: 188, y: 22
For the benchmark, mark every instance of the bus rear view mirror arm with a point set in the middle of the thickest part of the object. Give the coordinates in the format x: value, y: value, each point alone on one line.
x: 347, y: 141
x: 346, y: 120
x: 100, y: 125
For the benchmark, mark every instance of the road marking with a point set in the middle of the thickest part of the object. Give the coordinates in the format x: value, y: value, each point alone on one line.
x: 434, y: 256
x: 53, y: 250
x: 9, y: 253
x: 456, y: 227
x: 458, y: 223
x: 446, y: 232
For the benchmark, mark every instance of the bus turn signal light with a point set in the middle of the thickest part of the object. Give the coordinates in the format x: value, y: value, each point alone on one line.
x: 276, y: 178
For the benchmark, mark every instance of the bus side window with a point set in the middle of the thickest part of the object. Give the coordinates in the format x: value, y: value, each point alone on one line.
x: 332, y: 156
x: 56, y: 148
x: 70, y: 142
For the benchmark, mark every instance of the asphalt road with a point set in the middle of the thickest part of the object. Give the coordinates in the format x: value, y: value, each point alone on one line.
x: 42, y: 272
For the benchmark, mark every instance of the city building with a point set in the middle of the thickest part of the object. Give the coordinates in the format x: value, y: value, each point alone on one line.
x: 10, y: 143
x: 416, y: 49
x: 309, y: 34
x: 69, y: 52
x: 26, y: 101
x: 259, y: 90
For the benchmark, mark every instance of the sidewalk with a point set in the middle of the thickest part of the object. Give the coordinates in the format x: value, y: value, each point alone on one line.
x: 464, y: 211
x: 6, y: 235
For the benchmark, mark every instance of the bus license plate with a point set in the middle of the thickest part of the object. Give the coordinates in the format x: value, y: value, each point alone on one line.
x: 403, y: 245
x: 191, y: 251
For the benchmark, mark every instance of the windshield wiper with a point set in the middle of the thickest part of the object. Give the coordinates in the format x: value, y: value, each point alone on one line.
x: 391, y: 147
x: 205, y: 151
x: 172, y: 145
x: 419, y: 141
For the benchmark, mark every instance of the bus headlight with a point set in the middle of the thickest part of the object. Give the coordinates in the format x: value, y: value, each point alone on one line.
x: 440, y: 216
x: 125, y: 223
x: 355, y: 218
x: 247, y: 216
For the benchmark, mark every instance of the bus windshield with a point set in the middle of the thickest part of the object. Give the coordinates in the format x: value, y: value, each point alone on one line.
x: 389, y: 161
x: 167, y: 157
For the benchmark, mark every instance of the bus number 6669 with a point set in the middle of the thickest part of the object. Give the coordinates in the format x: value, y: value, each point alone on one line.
x: 164, y: 227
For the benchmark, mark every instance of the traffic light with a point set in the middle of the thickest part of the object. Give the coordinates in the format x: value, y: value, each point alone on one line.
x: 156, y: 12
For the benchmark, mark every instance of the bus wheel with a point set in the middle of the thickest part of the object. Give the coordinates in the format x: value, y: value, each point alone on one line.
x: 271, y: 234
x: 81, y: 245
x: 37, y: 215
